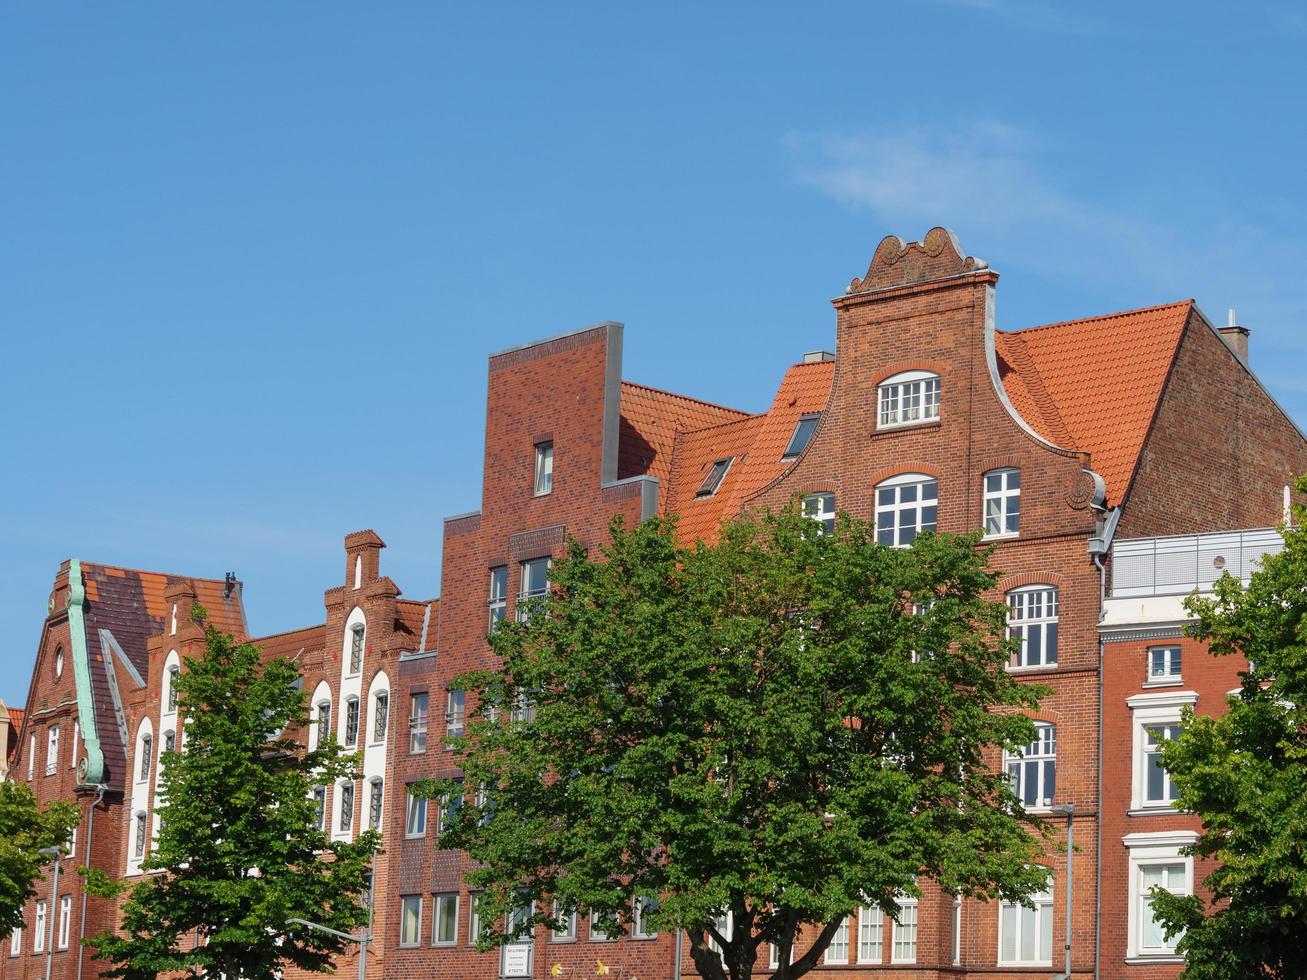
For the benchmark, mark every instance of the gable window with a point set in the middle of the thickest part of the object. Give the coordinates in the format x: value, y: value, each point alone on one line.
x: 324, y: 721
x: 1164, y: 664
x: 59, y: 661
x: 417, y: 723
x: 906, y: 505
x: 871, y: 935
x: 535, y: 586
x: 1002, y: 502
x: 716, y: 473
x: 410, y: 918
x: 454, y: 714
x: 444, y: 930
x: 374, y: 804
x: 1032, y: 619
x: 1025, y: 935
x: 31, y: 756
x: 174, y: 673
x: 1033, y: 770
x: 320, y: 807
x: 802, y: 433
x: 52, y: 750
x: 351, y: 721
x: 498, y: 601
x: 146, y: 752
x: 908, y: 398
x: 544, y: 468
x: 838, y: 950
x: 356, y: 649
x: 415, y: 817
x: 346, y: 806
x: 821, y: 508
x: 380, y: 715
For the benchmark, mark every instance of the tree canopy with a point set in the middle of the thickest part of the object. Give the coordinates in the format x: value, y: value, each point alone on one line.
x: 776, y: 729
x: 1245, y: 774
x: 239, y: 850
x: 25, y: 829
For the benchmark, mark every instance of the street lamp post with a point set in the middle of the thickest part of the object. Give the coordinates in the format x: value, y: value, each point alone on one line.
x: 363, y: 938
x: 57, y: 853
x: 1067, y: 810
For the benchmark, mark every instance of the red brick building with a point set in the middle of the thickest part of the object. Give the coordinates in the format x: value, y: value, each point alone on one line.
x: 1072, y: 445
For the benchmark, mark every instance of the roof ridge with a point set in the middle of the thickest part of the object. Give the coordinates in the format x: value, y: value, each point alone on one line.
x: 298, y: 629
x: 146, y: 571
x: 1100, y: 316
x: 717, y: 425
x: 688, y: 398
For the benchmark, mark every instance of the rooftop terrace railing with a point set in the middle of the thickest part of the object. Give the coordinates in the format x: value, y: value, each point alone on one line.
x: 1178, y: 564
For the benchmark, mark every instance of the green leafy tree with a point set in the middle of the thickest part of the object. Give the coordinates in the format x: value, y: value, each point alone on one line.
x: 781, y: 728
x: 24, y: 830
x: 239, y: 850
x: 1245, y: 774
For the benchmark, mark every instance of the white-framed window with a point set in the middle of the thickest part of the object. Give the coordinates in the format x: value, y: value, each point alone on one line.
x: 644, y: 907
x: 380, y: 715
x: 417, y: 723
x: 713, y: 478
x: 324, y: 721
x: 16, y: 941
x: 1164, y: 664
x: 70, y: 848
x: 169, y: 744
x: 356, y: 637
x: 906, y: 505
x: 1002, y: 503
x: 1155, y: 717
x: 1155, y: 862
x: 544, y: 468
x: 52, y: 750
x: 820, y: 507
x: 38, y: 932
x: 77, y: 734
x: 566, y: 931
x: 415, y: 816
x: 346, y: 793
x: 599, y: 934
x: 803, y: 430
x: 146, y: 752
x: 473, y: 918
x: 449, y: 806
x: 1032, y: 619
x: 455, y: 714
x: 838, y: 950
x: 871, y: 934
x: 904, y: 949
x: 957, y: 930
x: 320, y: 807
x: 31, y: 757
x: 410, y: 919
x: 908, y: 399
x: 65, y: 920
x: 1032, y: 770
x: 535, y: 586
x: 444, y: 925
x: 498, y: 601
x: 174, y: 672
x: 376, y: 794
x: 351, y: 721
x: 139, y: 836
x: 774, y: 955
x: 1025, y: 935
x: 725, y: 924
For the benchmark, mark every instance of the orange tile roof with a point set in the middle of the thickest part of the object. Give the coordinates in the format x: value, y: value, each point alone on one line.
x: 1094, y: 384
x: 409, y: 615
x: 291, y: 643
x: 144, y: 592
x: 651, y: 418
x: 700, y: 517
x: 15, y: 718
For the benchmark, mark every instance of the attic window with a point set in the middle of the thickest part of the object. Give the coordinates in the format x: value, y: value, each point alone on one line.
x: 802, y: 433
x: 714, y: 478
x: 909, y: 398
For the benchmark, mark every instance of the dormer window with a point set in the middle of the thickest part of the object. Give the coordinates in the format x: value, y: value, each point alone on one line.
x: 802, y: 433
x: 909, y: 398
x: 716, y: 473
x: 544, y: 470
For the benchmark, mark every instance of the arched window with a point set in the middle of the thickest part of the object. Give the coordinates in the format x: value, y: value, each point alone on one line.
x: 346, y: 806
x: 906, y: 505
x: 138, y: 835
x: 356, y: 649
x: 320, y: 806
x: 324, y: 720
x: 1025, y: 934
x: 351, y: 720
x: 58, y: 661
x: 908, y: 399
x: 171, y: 672
x: 374, y: 803
x: 1032, y: 619
x: 1002, y: 502
x: 146, y: 755
x: 380, y: 715
x: 1033, y: 769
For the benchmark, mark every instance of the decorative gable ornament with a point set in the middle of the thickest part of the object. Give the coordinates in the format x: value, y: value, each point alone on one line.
x: 937, y: 256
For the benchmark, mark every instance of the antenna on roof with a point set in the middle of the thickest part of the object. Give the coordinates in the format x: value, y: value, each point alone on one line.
x: 228, y: 585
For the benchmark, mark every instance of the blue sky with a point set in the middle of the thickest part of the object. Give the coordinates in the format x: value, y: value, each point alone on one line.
x: 253, y: 256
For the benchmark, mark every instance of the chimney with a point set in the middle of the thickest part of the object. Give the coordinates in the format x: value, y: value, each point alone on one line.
x: 817, y: 356
x: 1236, y: 338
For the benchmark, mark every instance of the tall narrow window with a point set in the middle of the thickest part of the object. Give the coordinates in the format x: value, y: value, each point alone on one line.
x: 905, y: 932
x: 38, y: 933
x: 31, y: 756
x: 908, y: 398
x: 713, y: 479
x: 138, y: 849
x: 498, y: 601
x: 374, y: 804
x: 535, y: 587
x: 346, y: 806
x: 410, y: 919
x: 1172, y: 877
x: 417, y: 723
x: 320, y: 807
x: 641, y: 928
x: 65, y: 920
x: 802, y: 433
x: 821, y: 508
x: 871, y: 934
x: 1025, y: 935
x: 1158, y: 788
x: 169, y: 741
x: 1002, y: 502
x: 838, y: 950
x: 147, y: 753
x: 380, y: 716
x: 454, y: 714
x: 415, y: 818
x: 1032, y: 619
x: 544, y: 468
x: 444, y: 930
x: 16, y: 941
x: 351, y: 721
x: 906, y: 505
x: 450, y: 805
x: 356, y: 648
x: 1164, y: 663
x: 473, y: 917
x: 324, y: 721
x: 52, y: 750
x: 174, y: 673
x: 1033, y: 770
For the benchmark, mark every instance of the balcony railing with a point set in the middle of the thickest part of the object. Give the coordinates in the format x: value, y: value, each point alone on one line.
x: 1176, y: 565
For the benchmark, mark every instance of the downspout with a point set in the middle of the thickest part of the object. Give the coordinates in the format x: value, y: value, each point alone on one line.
x: 676, y: 963
x: 90, y: 771
x: 90, y: 838
x: 1099, y: 547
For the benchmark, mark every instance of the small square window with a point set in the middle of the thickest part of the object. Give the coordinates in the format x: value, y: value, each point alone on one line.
x: 1164, y: 663
x: 544, y: 469
x: 802, y: 433
x: 716, y: 473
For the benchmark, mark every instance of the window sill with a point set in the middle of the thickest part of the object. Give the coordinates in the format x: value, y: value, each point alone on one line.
x: 1032, y: 668
x: 1142, y: 958
x: 562, y: 940
x: 900, y: 427
x: 444, y: 945
x: 415, y: 836
x: 1163, y: 682
x: 1005, y: 536
x: 1154, y: 810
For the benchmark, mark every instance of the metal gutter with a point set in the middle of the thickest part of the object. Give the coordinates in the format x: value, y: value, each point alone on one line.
x: 91, y: 767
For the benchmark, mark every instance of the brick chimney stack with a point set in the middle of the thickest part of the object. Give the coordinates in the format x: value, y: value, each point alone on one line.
x: 1236, y: 338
